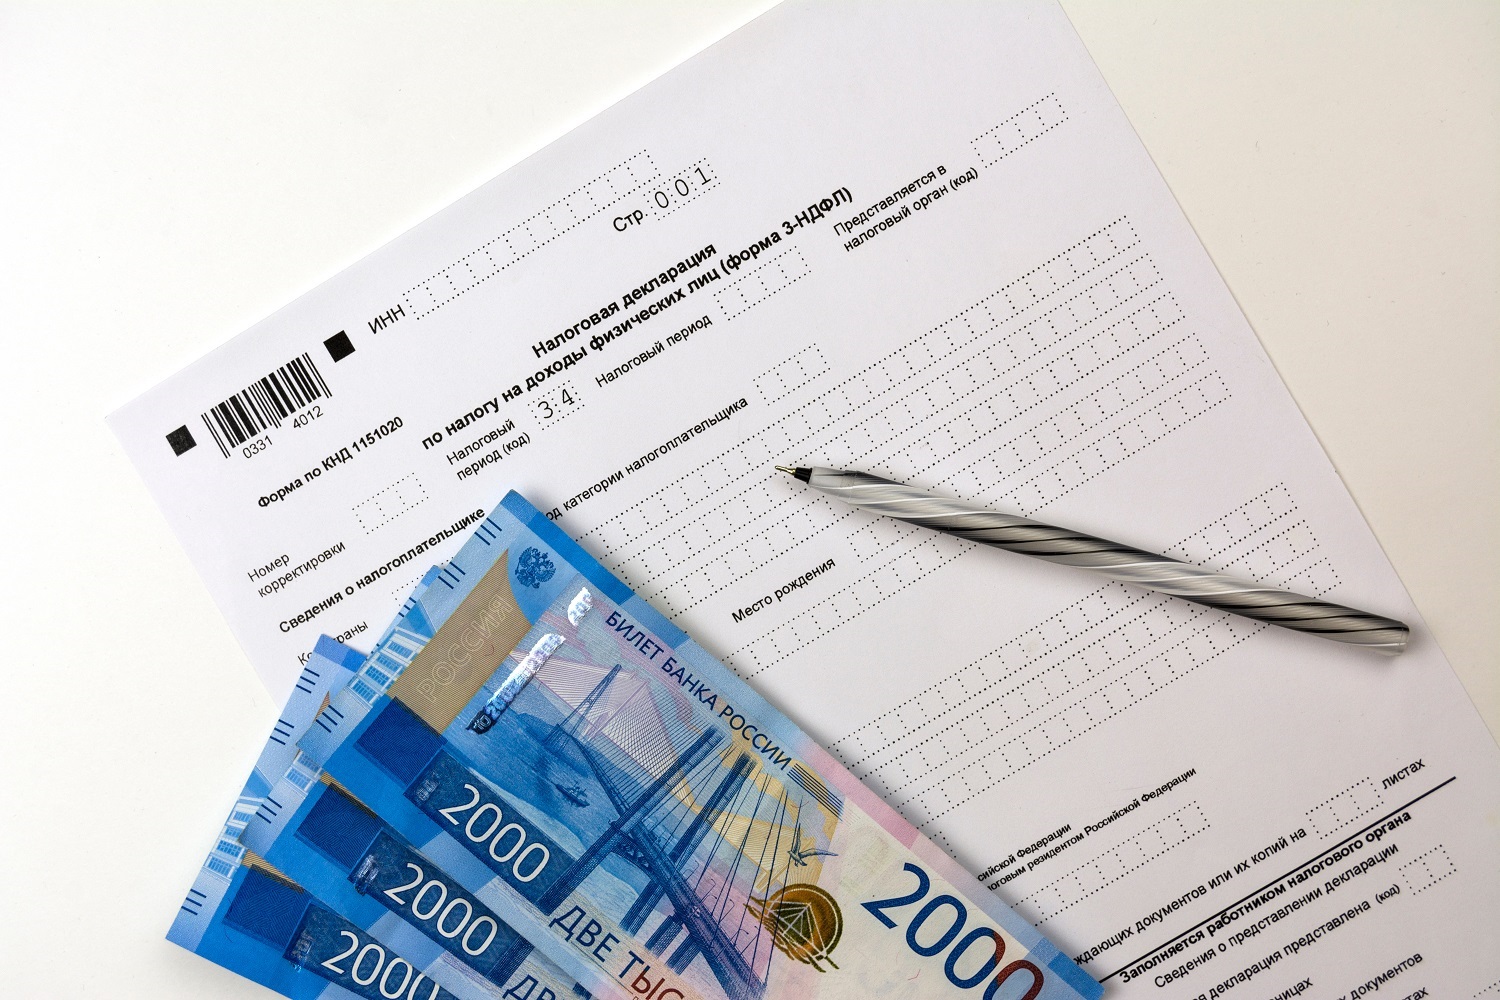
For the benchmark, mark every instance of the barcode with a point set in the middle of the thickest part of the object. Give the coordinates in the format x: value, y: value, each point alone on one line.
x: 265, y: 403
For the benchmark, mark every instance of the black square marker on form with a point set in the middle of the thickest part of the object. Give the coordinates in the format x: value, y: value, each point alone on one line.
x: 338, y: 346
x: 181, y: 440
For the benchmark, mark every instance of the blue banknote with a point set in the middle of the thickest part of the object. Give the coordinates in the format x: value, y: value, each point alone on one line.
x: 247, y: 916
x: 360, y: 868
x: 260, y: 924
x: 244, y: 915
x: 329, y: 669
x: 581, y: 767
x: 281, y: 759
x: 314, y: 834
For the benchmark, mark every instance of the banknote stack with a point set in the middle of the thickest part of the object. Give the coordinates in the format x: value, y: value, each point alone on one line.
x: 535, y: 787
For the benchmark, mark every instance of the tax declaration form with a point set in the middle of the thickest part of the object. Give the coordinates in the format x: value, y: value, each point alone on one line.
x: 923, y: 242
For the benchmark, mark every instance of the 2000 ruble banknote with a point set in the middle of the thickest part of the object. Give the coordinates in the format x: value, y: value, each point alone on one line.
x: 632, y: 807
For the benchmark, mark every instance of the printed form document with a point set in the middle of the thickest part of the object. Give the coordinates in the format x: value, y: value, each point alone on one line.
x: 924, y: 243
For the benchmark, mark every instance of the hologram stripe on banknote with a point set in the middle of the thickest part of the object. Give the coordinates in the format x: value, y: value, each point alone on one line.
x: 639, y: 813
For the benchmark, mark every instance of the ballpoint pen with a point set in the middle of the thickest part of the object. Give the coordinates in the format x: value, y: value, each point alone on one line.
x: 1112, y: 559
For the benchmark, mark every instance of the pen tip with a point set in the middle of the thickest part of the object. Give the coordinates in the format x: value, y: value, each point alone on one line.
x: 787, y: 469
x: 803, y: 474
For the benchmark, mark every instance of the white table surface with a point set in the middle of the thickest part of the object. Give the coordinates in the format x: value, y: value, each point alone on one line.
x: 170, y: 173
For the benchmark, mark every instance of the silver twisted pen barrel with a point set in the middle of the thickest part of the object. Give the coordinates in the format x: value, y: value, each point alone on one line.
x: 1112, y: 559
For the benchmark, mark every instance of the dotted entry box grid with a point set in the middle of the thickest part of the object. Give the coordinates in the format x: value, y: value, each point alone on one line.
x: 1090, y: 622
x: 964, y: 343
x: 531, y: 234
x: 1130, y: 379
x: 764, y: 539
x: 904, y: 429
x: 680, y: 585
x: 1269, y: 511
x: 1134, y: 436
x: 557, y: 404
x: 762, y: 282
x: 1427, y: 869
x: 940, y: 418
x: 1342, y: 808
x: 1010, y: 695
x: 682, y: 579
x: 868, y: 387
x: 971, y: 404
x: 402, y: 591
x: 1056, y: 680
x: 871, y: 589
x: 1020, y: 129
x: 1001, y: 688
x: 1129, y: 857
x: 792, y: 374
x: 973, y: 386
x: 682, y: 188
x: 1162, y: 663
x: 390, y: 503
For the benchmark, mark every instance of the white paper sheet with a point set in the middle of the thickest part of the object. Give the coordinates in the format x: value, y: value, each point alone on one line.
x: 1047, y: 336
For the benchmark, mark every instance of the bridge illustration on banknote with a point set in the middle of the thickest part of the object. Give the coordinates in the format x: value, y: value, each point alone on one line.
x: 715, y: 837
x: 698, y: 841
